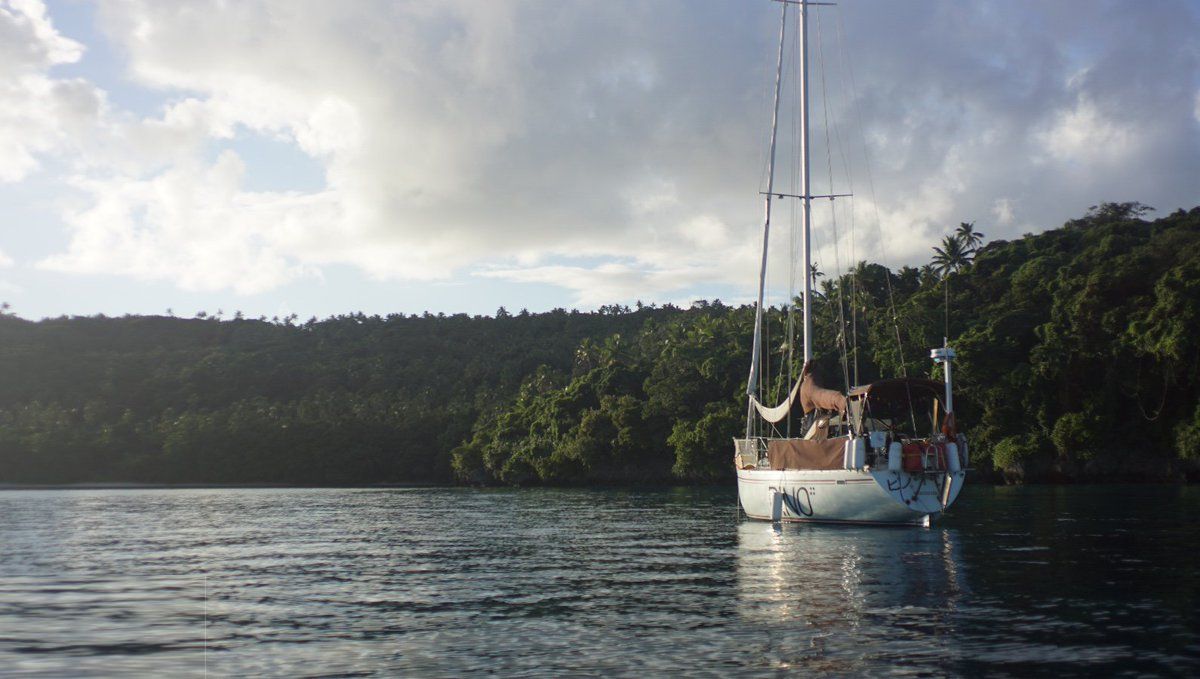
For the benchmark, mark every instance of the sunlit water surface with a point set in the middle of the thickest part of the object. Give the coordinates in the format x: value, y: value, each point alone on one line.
x: 442, y: 582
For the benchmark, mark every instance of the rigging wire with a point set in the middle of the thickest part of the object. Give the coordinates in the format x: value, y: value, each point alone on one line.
x: 791, y: 68
x: 895, y: 318
x: 757, y: 350
x: 855, y: 282
x: 837, y: 257
x: 793, y: 223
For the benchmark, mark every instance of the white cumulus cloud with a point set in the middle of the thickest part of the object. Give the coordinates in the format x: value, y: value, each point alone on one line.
x: 613, y: 149
x: 38, y: 114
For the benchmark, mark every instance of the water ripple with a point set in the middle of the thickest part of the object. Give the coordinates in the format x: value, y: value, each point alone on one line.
x: 446, y: 582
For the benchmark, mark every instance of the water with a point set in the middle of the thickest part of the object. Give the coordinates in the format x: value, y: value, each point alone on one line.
x: 442, y: 582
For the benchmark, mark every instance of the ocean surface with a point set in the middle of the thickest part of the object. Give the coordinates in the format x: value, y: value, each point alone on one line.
x: 1098, y: 581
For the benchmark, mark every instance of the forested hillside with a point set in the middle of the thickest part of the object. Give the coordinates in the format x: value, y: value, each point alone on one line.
x: 352, y: 399
x: 1078, y: 359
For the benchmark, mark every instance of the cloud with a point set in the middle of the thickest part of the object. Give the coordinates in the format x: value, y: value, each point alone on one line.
x: 612, y: 149
x: 7, y: 286
x: 1003, y: 211
x: 30, y: 41
x: 600, y: 284
x: 38, y: 115
x: 1082, y: 134
x: 666, y: 264
x: 192, y: 226
x: 444, y: 139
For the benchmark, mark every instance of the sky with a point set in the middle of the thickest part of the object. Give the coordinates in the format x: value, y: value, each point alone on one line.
x: 305, y: 157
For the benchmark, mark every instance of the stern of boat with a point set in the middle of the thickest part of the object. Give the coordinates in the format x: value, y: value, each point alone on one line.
x: 857, y: 493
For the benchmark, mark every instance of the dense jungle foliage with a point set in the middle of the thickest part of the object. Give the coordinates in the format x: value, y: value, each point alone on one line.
x: 1079, y: 358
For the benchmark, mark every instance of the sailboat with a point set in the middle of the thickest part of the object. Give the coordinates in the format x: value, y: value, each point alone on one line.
x: 887, y: 452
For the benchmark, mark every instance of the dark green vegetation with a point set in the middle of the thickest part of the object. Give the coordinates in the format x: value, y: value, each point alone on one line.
x: 1078, y: 358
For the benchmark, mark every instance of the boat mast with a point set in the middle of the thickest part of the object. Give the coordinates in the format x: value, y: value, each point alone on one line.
x: 806, y: 244
x: 805, y: 197
x: 756, y: 351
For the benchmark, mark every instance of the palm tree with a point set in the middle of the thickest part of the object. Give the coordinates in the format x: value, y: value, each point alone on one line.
x: 953, y: 256
x: 814, y: 273
x: 827, y: 289
x: 968, y: 236
x: 614, y: 350
x: 925, y: 273
x: 948, y: 259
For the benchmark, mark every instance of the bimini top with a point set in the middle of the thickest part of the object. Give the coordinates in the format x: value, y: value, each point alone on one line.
x: 895, y: 398
x: 896, y: 387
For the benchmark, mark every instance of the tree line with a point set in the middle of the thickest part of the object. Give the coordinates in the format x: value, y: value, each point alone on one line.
x: 1078, y: 359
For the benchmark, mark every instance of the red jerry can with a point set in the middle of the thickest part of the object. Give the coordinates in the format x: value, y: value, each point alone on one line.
x: 911, y: 460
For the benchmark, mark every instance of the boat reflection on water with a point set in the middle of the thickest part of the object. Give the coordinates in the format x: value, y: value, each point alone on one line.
x: 849, y: 599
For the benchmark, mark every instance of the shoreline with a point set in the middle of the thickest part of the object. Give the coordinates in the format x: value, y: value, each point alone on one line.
x: 116, y: 485
x: 987, y: 480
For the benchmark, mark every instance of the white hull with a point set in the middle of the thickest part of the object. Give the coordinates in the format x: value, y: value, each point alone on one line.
x: 847, y: 495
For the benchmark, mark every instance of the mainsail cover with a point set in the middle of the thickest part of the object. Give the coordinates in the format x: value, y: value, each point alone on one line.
x: 811, y: 397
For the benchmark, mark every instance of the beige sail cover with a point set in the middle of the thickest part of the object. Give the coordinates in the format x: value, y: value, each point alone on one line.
x: 813, y: 396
